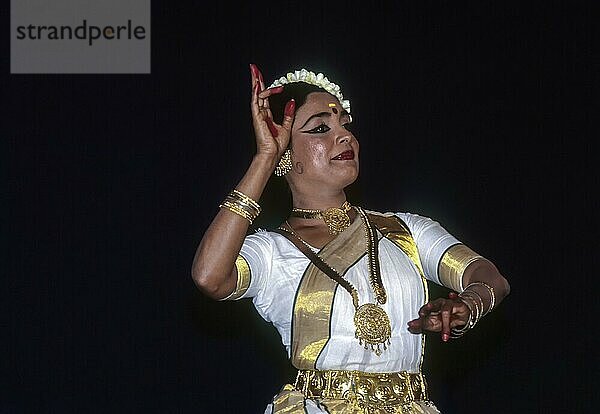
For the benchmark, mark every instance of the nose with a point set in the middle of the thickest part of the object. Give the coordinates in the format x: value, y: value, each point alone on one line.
x: 345, y: 136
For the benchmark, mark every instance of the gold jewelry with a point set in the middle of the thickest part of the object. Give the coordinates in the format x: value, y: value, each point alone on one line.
x: 453, y: 265
x: 391, y: 392
x: 244, y: 277
x: 245, y: 199
x: 284, y: 165
x: 474, y: 316
x: 373, y: 327
x: 336, y: 218
x: 242, y: 205
x: 476, y: 306
x: 490, y: 291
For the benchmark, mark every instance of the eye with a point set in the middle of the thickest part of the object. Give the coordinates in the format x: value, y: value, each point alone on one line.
x: 321, y: 129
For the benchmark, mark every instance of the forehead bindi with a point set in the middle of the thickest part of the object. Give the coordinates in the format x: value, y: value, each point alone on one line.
x: 320, y: 101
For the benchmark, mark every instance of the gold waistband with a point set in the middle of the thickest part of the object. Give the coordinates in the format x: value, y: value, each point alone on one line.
x: 384, y: 391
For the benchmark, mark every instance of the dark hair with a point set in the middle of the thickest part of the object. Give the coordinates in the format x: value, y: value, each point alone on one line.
x: 297, y: 90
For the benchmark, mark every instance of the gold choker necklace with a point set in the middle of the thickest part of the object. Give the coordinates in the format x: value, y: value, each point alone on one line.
x: 336, y: 218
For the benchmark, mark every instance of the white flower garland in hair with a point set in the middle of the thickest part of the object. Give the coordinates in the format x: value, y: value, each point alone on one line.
x: 319, y: 80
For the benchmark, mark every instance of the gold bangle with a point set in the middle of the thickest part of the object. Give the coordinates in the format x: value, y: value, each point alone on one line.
x: 251, y: 210
x: 473, y: 300
x: 490, y: 291
x: 239, y: 209
x: 457, y: 332
x: 242, y: 205
x: 478, y: 302
x: 245, y: 199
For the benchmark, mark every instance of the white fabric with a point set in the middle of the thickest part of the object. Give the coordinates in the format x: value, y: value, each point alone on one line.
x: 277, y: 267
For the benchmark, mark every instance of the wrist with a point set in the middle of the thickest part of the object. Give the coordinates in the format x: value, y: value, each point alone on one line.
x: 266, y: 161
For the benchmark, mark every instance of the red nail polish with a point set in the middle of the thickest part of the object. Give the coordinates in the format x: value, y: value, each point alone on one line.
x: 272, y: 128
x: 254, y: 70
x: 445, y: 337
x: 290, y: 106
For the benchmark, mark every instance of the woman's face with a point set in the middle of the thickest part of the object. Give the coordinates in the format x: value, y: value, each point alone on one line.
x: 324, y: 151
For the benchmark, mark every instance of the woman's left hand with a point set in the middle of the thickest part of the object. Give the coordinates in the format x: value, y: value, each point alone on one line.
x: 441, y: 315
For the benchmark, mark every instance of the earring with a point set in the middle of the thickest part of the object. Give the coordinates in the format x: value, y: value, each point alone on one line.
x: 285, y: 164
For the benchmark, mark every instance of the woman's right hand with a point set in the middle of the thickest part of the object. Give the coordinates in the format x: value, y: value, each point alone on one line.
x: 271, y: 139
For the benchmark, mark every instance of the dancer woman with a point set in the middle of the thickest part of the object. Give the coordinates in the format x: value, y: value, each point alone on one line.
x: 344, y: 286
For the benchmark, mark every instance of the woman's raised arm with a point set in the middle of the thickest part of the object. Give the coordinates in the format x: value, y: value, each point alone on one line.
x: 213, y: 267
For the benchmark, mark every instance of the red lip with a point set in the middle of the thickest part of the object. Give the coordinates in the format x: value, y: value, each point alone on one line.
x: 346, y: 155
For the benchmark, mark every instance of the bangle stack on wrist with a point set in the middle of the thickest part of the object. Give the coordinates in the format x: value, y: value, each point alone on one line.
x: 476, y: 306
x: 242, y: 205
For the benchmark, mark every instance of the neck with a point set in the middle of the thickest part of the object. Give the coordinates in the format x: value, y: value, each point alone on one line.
x: 318, y: 201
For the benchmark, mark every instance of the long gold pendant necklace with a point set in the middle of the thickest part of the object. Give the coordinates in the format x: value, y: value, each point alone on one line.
x: 373, y: 327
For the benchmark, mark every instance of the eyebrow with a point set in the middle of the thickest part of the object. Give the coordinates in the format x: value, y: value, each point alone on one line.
x: 319, y: 115
x: 324, y: 114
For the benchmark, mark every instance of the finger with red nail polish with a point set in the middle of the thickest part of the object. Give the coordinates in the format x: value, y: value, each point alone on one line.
x: 289, y: 109
x: 272, y: 128
x: 254, y: 71
x: 446, y: 313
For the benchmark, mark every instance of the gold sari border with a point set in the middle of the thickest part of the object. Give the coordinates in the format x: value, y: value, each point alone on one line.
x: 289, y: 401
x: 314, y: 298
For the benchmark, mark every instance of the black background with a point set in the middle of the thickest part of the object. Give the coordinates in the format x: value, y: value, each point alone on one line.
x: 474, y: 113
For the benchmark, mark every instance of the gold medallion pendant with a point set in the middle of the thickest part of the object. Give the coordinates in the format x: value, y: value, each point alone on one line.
x: 337, y: 220
x: 373, y: 327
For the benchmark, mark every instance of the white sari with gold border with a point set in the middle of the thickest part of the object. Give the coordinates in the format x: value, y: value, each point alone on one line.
x: 276, y: 269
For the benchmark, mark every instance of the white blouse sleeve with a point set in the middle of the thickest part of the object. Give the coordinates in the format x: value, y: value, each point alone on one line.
x: 432, y: 242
